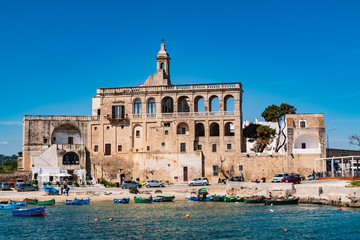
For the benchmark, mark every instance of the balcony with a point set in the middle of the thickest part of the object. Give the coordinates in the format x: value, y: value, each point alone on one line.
x: 186, y: 114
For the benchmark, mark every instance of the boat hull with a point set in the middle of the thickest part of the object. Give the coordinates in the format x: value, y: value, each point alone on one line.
x: 166, y: 198
x: 48, y: 202
x: 282, y: 202
x: 9, y: 206
x: 141, y: 200
x: 123, y: 200
x: 31, y: 212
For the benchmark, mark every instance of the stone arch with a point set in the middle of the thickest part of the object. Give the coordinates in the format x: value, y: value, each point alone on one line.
x: 151, y: 105
x: 71, y: 158
x: 167, y: 105
x: 229, y: 103
x: 229, y: 129
x: 137, y: 106
x: 66, y: 134
x: 214, y: 129
x: 183, y: 104
x: 306, y: 141
x: 214, y: 105
x: 182, y: 128
x: 199, y: 130
x: 138, y: 136
x: 199, y: 104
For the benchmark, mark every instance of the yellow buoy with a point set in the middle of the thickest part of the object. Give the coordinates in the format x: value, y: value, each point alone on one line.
x: 95, y: 219
x: 187, y: 216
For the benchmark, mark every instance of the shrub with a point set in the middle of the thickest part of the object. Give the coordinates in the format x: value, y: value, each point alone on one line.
x: 35, y: 181
x: 70, y: 182
x: 88, y: 183
x: 76, y: 184
x: 355, y: 184
x: 58, y: 183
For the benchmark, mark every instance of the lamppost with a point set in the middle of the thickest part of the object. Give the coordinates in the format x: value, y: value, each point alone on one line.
x: 328, y: 143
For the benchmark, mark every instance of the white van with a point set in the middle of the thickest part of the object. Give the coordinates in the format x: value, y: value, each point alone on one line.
x: 278, y: 177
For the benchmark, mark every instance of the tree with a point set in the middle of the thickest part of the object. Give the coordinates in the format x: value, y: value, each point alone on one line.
x: 277, y: 114
x: 263, y: 135
x: 354, y: 140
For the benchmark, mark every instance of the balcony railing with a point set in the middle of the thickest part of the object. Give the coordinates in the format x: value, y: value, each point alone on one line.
x: 170, y: 88
x: 186, y: 114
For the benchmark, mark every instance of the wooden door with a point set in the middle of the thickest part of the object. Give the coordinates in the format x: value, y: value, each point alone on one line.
x: 70, y: 140
x: 108, y: 149
x: 185, y: 174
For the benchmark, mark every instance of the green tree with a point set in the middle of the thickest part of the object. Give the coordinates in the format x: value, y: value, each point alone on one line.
x: 250, y: 131
x: 263, y: 135
x: 277, y: 114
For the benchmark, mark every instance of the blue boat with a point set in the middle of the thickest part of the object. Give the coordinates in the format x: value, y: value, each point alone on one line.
x: 122, y: 200
x: 200, y: 199
x: 40, y: 212
x: 20, y: 203
x: 84, y: 201
x: 157, y: 199
x: 51, y: 190
x: 9, y: 206
x: 74, y: 202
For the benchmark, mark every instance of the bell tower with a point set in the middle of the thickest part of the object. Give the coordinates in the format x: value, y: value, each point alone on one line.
x: 163, y: 60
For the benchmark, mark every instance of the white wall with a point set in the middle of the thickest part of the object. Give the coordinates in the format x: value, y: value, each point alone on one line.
x: 62, y: 137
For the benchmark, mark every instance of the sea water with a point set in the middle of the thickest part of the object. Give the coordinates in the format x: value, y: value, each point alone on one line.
x: 207, y: 220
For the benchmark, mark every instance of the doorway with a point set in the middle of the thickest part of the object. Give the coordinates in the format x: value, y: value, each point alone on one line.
x: 185, y: 174
x: 70, y: 140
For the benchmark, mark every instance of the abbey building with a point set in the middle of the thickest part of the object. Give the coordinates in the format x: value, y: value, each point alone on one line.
x: 154, y: 131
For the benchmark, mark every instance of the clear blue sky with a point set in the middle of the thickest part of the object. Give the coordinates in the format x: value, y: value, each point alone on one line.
x: 54, y: 54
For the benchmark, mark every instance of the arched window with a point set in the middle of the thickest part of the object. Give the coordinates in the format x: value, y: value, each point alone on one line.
x: 183, y: 104
x: 151, y: 106
x: 214, y: 129
x: 182, y: 128
x: 229, y: 129
x: 137, y: 106
x: 162, y: 65
x: 199, y: 104
x: 229, y: 104
x: 214, y: 104
x: 199, y: 130
x: 167, y: 105
x: 70, y: 158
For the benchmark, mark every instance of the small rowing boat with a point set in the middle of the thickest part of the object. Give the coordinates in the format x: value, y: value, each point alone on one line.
x: 40, y: 211
x: 292, y: 200
x: 47, y: 202
x: 122, y: 200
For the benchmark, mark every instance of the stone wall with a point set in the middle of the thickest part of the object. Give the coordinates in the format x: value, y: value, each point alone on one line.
x: 11, y: 177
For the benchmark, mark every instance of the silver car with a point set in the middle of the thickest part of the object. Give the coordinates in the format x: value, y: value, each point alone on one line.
x: 278, y: 177
x: 5, y: 186
x: 154, y: 183
x: 199, y: 181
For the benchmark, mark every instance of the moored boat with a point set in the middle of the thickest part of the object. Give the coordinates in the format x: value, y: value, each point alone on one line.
x: 254, y: 199
x: 156, y: 199
x: 86, y: 201
x: 30, y: 201
x: 51, y: 190
x: 74, y: 202
x: 20, y: 203
x: 47, y: 202
x: 141, y: 200
x: 40, y: 211
x: 292, y: 200
x: 234, y: 199
x: 4, y: 202
x: 166, y: 198
x: 218, y: 198
x: 122, y: 200
x: 9, y: 206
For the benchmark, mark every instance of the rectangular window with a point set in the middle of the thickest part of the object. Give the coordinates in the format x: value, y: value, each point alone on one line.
x: 118, y: 112
x: 98, y: 112
x: 182, y: 147
x: 148, y: 148
x: 167, y: 124
x: 183, y: 130
x: 214, y: 148
x: 240, y: 168
x: 54, y: 139
x: 107, y: 149
x: 70, y: 140
x: 229, y: 146
x: 137, y: 133
x: 303, y: 145
x: 162, y: 144
x: 45, y: 140
x: 119, y: 148
x: 215, y: 170
x: 96, y: 148
x: 232, y: 169
x: 166, y: 132
x: 199, y: 147
x: 302, y: 124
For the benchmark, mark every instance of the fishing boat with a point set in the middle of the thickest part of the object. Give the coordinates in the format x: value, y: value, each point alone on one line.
x: 156, y: 199
x: 4, y: 202
x: 86, y: 201
x: 122, y: 200
x: 30, y: 201
x: 218, y: 198
x: 292, y: 200
x: 166, y: 198
x: 141, y: 200
x: 234, y: 199
x: 133, y: 190
x: 254, y: 199
x: 20, y: 203
x: 47, y: 202
x: 74, y: 202
x: 200, y: 198
x: 9, y: 206
x: 40, y: 211
x: 51, y: 190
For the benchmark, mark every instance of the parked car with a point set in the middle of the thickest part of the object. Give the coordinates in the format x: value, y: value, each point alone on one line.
x: 154, y: 183
x: 19, y: 181
x: 292, y: 178
x: 278, y: 177
x: 199, y: 181
x: 128, y: 184
x: 5, y: 186
x: 234, y: 179
x: 27, y: 187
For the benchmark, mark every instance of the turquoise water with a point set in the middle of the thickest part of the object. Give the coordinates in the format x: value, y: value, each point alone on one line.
x: 208, y: 220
